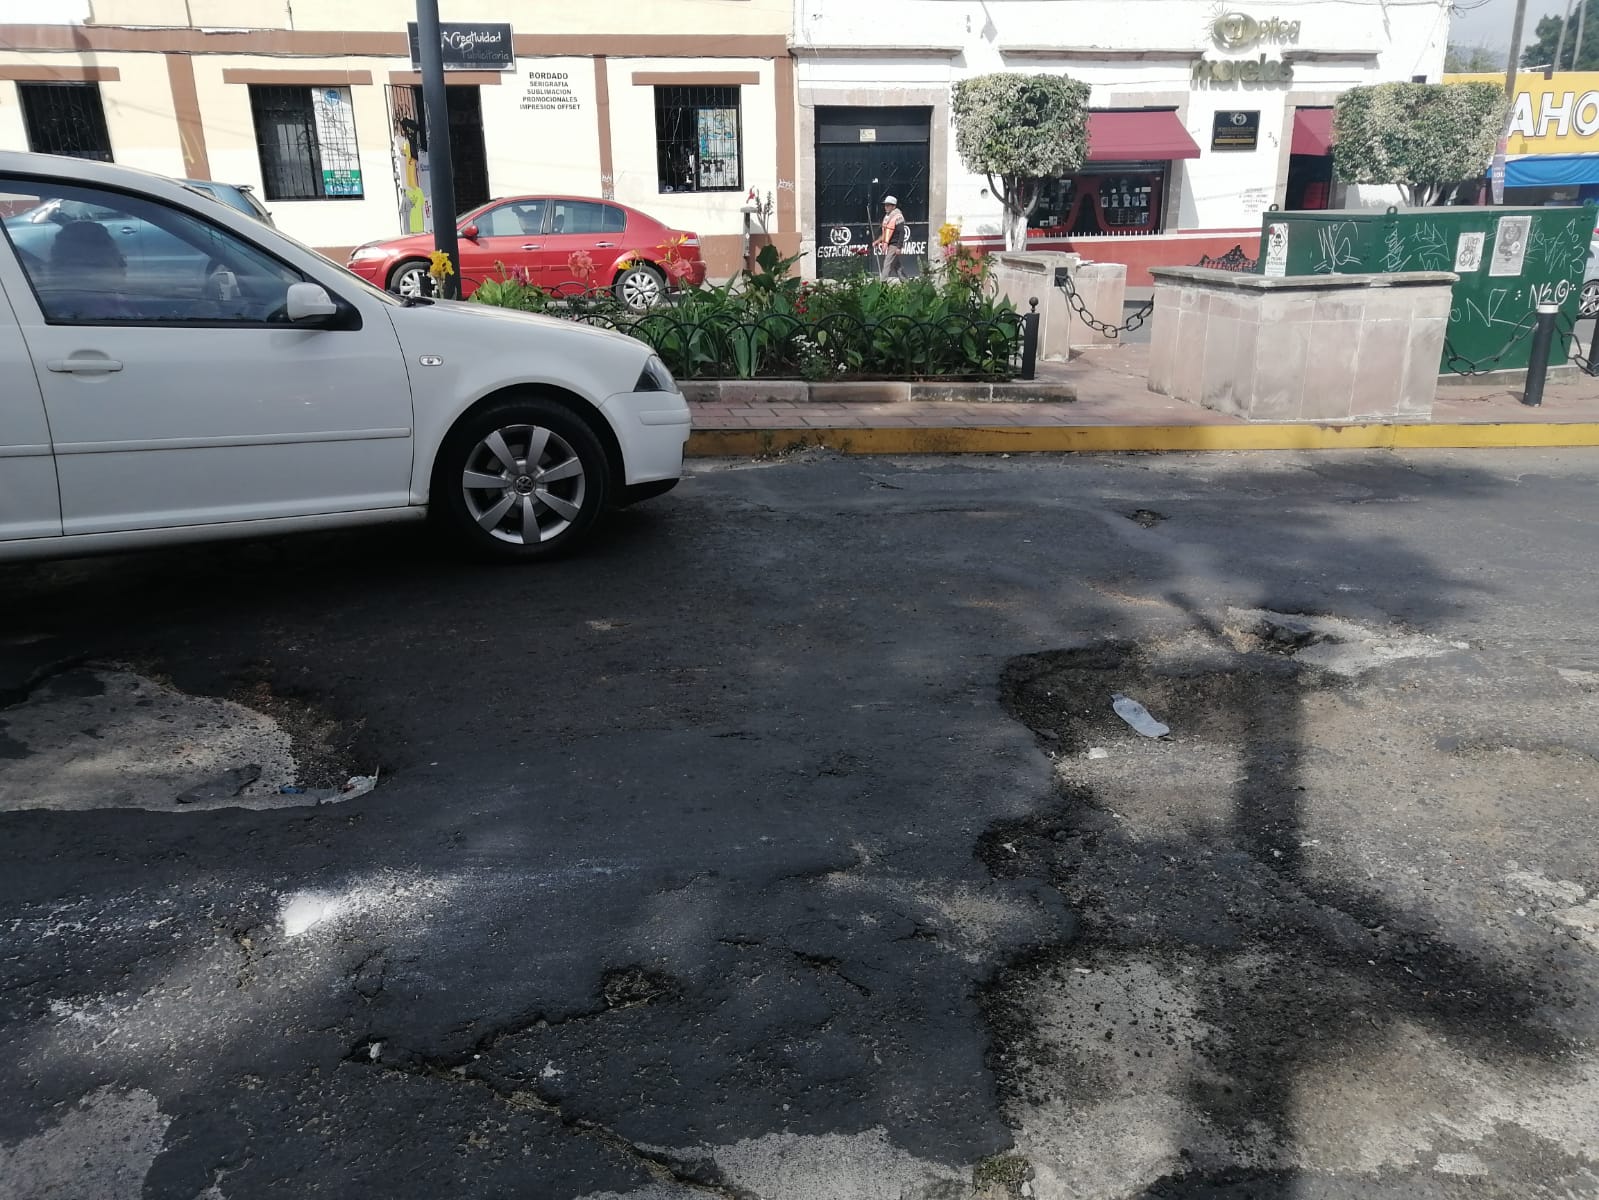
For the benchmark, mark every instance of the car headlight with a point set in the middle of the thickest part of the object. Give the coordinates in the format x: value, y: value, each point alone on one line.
x: 372, y: 251
x: 655, y: 377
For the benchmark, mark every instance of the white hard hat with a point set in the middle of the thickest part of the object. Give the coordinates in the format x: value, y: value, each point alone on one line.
x: 889, y: 200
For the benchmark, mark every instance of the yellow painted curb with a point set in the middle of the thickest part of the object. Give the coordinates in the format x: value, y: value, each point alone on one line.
x: 1101, y: 439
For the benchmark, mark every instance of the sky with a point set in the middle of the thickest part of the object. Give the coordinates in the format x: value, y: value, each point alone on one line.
x: 1489, y: 25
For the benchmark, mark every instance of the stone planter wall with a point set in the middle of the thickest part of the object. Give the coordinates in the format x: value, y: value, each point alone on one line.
x: 1102, y: 286
x: 1300, y: 348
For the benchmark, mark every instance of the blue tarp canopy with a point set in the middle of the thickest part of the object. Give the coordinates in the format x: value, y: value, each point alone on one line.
x: 1551, y: 170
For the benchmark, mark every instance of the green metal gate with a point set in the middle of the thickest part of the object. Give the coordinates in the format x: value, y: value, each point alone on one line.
x: 1509, y: 261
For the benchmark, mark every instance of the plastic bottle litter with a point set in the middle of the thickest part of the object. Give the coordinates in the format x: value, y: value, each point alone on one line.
x: 1136, y: 715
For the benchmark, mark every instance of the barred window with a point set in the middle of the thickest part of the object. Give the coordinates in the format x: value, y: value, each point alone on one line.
x: 65, y: 118
x: 306, y: 140
x: 697, y: 139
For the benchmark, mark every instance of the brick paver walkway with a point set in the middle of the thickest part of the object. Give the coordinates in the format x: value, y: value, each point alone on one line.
x: 1111, y: 390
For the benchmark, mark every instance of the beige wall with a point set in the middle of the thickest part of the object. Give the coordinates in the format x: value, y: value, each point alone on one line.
x: 633, y: 146
x: 138, y: 107
x: 230, y: 142
x: 526, y: 16
x: 528, y: 149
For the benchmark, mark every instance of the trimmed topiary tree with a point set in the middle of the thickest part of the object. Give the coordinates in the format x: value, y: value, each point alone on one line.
x: 1020, y: 130
x: 1423, y: 138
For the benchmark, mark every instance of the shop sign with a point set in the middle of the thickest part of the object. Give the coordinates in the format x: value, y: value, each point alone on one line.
x: 1239, y: 31
x: 1235, y: 131
x: 474, y: 47
x: 1247, y: 70
x: 1549, y: 116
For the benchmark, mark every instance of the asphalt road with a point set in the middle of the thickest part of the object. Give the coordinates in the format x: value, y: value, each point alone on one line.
x: 785, y: 845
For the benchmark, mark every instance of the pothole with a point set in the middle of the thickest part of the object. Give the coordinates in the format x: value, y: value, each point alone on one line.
x: 101, y: 738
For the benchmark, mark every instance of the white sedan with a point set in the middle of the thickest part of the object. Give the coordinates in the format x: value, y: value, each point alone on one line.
x: 1590, y: 282
x: 175, y: 371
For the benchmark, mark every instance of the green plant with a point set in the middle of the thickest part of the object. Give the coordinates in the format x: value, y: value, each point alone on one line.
x: 1020, y: 130
x: 1424, y: 138
x: 769, y: 323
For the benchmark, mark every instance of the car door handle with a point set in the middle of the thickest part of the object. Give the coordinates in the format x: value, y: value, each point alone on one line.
x: 530, y: 245
x: 605, y: 245
x: 84, y: 365
x: 129, y: 229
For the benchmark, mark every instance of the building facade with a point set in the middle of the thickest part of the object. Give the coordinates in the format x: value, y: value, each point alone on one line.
x: 681, y: 109
x: 1203, y: 116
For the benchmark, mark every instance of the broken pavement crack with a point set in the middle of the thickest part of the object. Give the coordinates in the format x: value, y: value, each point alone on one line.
x: 660, y: 1167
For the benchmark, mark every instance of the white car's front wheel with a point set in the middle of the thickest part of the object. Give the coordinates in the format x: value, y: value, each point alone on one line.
x: 521, y: 479
x: 1588, y: 305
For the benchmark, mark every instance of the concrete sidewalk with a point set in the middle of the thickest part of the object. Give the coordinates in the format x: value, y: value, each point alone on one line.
x: 1114, y: 410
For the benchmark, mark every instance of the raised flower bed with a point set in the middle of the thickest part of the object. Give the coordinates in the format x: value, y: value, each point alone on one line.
x: 769, y: 324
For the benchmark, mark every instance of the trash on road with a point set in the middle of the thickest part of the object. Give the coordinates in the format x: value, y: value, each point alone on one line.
x: 1136, y: 715
x: 1098, y: 752
x: 358, y: 785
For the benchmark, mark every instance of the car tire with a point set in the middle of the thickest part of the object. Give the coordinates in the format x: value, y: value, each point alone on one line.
x: 1588, y: 303
x: 640, y: 288
x: 411, y: 279
x: 500, y: 502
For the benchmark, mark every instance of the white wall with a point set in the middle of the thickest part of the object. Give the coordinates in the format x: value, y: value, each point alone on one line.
x: 1355, y: 42
x: 542, y: 149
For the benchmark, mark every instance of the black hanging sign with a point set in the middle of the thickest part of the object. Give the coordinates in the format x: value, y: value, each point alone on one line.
x: 472, y: 47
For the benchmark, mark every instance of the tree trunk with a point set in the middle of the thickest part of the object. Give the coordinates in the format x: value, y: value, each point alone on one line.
x: 1015, y: 229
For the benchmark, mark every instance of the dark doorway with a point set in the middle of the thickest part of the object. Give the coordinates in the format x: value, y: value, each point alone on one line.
x: 862, y: 155
x: 467, y: 155
x: 1310, y: 178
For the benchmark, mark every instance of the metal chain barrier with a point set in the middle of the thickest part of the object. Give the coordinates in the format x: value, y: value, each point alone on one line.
x: 1064, y: 282
x: 1583, y: 359
x: 1468, y: 368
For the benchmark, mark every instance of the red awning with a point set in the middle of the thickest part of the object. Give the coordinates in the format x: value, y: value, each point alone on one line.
x: 1312, y: 131
x: 1137, y: 137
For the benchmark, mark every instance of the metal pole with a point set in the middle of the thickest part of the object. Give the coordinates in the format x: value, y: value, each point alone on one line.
x: 440, y: 170
x: 1560, y: 42
x: 1543, y: 336
x: 1514, y: 63
x: 1576, y: 54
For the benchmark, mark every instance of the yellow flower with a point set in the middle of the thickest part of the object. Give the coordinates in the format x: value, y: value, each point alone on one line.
x: 625, y: 264
x: 948, y: 234
x: 439, y: 265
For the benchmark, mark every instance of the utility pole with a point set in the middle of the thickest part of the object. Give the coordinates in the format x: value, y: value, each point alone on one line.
x: 1515, y: 51
x: 1576, y: 55
x: 1560, y: 42
x: 1496, y: 174
x: 441, y: 173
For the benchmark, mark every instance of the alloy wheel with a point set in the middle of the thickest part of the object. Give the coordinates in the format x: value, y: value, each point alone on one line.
x: 1588, y: 306
x: 524, y: 484
x: 641, y: 289
x: 412, y: 282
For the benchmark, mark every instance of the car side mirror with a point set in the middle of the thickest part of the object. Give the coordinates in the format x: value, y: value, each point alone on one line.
x: 470, y: 232
x: 309, y: 301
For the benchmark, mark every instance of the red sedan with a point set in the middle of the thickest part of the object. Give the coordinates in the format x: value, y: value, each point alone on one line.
x: 560, y: 243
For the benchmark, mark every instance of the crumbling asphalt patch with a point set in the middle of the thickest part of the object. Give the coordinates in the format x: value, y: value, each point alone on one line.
x: 110, y: 737
x: 1286, y: 965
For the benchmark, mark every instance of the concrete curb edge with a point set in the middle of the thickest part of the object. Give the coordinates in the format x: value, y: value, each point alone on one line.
x: 1112, y: 439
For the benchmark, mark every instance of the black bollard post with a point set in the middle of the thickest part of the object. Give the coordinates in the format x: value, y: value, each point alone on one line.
x: 1030, y: 341
x: 1543, y: 337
